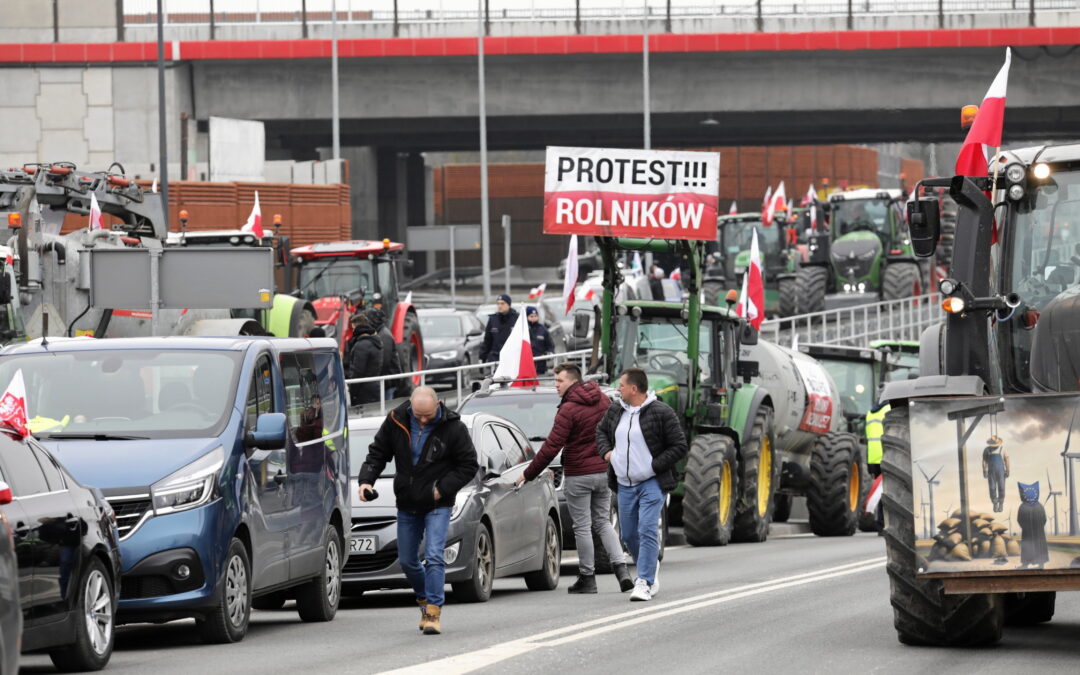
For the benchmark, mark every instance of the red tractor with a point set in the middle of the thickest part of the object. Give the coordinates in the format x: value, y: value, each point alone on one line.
x: 343, y: 277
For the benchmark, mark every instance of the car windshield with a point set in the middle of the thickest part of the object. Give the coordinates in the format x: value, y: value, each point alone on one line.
x: 659, y: 346
x: 135, y: 393
x: 440, y: 326
x: 860, y: 214
x: 359, y: 441
x: 325, y: 277
x: 534, y: 412
x: 1044, y: 254
x: 855, y: 380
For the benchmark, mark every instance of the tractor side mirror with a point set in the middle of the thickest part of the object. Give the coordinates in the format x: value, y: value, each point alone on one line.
x: 924, y: 224
x: 747, y: 335
x: 581, y: 325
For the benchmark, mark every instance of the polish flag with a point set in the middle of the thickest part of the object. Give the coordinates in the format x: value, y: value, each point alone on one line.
x: 95, y: 213
x: 752, y: 300
x: 570, y: 281
x: 254, y: 221
x: 13, y: 413
x: 766, y: 206
x: 778, y: 203
x: 516, y: 356
x: 874, y: 497
x: 985, y: 132
x: 734, y: 210
x: 810, y: 197
x: 537, y: 292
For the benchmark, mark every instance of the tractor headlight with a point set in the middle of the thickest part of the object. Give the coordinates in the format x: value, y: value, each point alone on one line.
x: 1014, y: 173
x: 1041, y: 171
x: 1016, y: 192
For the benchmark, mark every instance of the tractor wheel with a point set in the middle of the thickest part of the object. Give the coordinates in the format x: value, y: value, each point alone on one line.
x: 412, y: 354
x: 922, y: 613
x: 759, y: 474
x: 711, y: 488
x: 811, y: 284
x: 1029, y: 609
x: 837, y: 485
x: 713, y: 293
x: 781, y: 507
x: 789, y: 297
x: 901, y: 280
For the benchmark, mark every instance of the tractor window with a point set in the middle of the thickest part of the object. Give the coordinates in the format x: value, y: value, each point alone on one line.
x: 873, y: 215
x: 333, y: 277
x: 659, y: 346
x: 855, y: 382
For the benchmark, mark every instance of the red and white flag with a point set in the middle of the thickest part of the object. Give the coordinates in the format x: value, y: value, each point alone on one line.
x: 733, y: 210
x: 985, y: 132
x: 95, y: 213
x: 516, y: 356
x: 589, y: 294
x: 752, y: 301
x: 810, y: 197
x: 874, y: 496
x: 570, y: 280
x: 537, y: 292
x: 13, y: 413
x: 778, y: 203
x: 254, y: 221
x: 766, y: 203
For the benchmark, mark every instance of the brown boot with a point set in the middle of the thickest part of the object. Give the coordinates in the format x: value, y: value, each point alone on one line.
x: 422, y: 604
x: 433, y: 615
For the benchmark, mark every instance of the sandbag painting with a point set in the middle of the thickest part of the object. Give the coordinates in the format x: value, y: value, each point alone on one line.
x: 991, y: 481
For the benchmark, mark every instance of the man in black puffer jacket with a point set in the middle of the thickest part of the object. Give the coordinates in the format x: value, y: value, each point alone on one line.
x: 365, y: 360
x: 391, y: 358
x: 434, y: 457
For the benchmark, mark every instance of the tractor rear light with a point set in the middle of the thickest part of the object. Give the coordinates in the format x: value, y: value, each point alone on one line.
x: 184, y: 215
x: 967, y: 115
x: 953, y: 305
x: 277, y: 219
x: 14, y: 220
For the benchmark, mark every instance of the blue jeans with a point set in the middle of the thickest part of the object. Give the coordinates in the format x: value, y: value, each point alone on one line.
x: 639, y: 516
x: 428, y: 580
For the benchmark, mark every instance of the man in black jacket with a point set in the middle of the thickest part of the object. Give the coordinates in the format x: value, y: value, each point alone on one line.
x: 391, y: 358
x: 365, y: 360
x: 434, y: 456
x: 498, y: 329
x: 642, y: 440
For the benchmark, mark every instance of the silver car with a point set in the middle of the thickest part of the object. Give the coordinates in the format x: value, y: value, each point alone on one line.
x: 496, y: 529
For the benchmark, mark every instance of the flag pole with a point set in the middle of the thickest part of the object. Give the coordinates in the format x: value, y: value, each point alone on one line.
x: 997, y: 169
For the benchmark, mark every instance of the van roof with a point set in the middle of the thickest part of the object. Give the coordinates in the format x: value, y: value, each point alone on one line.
x: 175, y: 342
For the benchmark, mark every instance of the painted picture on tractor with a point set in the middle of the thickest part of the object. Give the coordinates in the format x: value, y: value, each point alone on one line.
x: 993, y: 483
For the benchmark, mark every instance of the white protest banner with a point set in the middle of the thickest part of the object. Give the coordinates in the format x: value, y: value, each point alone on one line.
x: 661, y: 194
x: 817, y: 417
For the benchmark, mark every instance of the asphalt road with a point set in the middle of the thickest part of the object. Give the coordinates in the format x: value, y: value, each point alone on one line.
x: 792, y: 604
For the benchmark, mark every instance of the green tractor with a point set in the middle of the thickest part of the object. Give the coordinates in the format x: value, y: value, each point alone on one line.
x: 864, y: 256
x: 702, y: 360
x: 726, y: 264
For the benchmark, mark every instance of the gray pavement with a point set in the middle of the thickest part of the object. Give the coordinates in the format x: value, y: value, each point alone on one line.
x: 792, y: 604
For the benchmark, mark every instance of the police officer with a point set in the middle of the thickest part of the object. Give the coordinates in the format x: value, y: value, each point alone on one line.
x: 875, y: 429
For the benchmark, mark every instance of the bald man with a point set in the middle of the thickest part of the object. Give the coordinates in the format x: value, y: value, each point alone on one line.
x: 435, y: 457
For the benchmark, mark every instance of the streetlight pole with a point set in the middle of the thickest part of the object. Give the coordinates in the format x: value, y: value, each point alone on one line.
x: 485, y: 231
x: 163, y: 138
x: 336, y: 122
x: 645, y: 72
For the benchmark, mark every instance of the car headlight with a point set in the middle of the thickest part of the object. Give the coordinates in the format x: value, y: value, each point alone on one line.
x: 444, y: 355
x: 191, y: 486
x: 460, y: 501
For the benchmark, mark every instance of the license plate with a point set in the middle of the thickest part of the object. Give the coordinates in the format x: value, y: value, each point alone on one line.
x: 364, y: 545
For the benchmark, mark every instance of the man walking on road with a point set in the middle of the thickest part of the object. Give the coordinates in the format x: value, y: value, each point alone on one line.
x: 585, y: 483
x: 642, y: 440
x: 435, y: 457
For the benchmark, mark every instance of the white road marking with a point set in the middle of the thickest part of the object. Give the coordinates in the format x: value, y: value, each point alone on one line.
x: 482, y: 658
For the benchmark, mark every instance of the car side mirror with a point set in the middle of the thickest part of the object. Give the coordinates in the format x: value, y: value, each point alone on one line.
x: 269, y: 432
x: 924, y: 225
x: 581, y: 325
x: 5, y: 493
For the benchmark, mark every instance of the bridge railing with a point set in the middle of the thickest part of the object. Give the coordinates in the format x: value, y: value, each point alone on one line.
x: 857, y: 326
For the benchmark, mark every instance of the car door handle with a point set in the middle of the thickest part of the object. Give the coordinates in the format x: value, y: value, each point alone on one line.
x: 279, y: 477
x: 21, y: 530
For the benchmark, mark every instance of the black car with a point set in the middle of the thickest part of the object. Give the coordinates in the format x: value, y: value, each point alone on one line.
x: 66, y: 544
x: 452, y: 337
x: 10, y: 611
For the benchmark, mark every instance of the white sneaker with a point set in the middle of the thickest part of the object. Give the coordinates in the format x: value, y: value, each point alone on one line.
x: 655, y: 587
x: 641, y: 591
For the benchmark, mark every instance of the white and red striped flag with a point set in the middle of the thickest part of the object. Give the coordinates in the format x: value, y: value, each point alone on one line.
x: 778, y: 202
x: 95, y: 213
x: 752, y: 301
x: 13, y: 413
x: 734, y: 210
x: 570, y: 281
x: 810, y: 197
x: 766, y: 205
x: 516, y: 357
x: 537, y: 292
x: 874, y: 496
x: 254, y: 221
x: 985, y: 132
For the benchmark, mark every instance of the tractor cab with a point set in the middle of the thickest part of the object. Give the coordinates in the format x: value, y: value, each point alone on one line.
x: 727, y: 262
x: 858, y: 373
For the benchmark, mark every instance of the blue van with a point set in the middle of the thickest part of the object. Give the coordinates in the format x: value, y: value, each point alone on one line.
x: 225, y: 460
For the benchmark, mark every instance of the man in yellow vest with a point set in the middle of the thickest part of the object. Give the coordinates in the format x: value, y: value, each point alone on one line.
x: 875, y: 429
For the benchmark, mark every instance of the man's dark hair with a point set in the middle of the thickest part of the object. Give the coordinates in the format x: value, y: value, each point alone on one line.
x: 569, y: 368
x: 637, y: 377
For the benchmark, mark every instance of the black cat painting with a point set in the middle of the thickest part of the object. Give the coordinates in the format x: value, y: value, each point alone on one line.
x: 1031, y: 516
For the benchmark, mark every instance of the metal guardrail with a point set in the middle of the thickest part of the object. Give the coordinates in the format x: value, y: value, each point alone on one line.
x: 903, y: 319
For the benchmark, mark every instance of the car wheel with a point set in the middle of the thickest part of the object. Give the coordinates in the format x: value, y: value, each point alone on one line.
x: 318, y: 599
x: 94, y: 627
x: 228, y: 622
x: 547, y: 577
x: 478, y: 587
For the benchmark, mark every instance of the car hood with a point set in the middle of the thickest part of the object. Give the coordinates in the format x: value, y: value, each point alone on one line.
x: 442, y: 344
x: 117, y: 464
x: 385, y: 505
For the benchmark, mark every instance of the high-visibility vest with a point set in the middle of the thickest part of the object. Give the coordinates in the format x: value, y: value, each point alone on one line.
x: 875, y: 429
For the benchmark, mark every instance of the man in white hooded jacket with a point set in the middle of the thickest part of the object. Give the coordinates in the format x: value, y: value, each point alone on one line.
x: 642, y: 440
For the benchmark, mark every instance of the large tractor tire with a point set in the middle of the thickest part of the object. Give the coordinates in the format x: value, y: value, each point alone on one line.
x: 922, y: 613
x: 838, y: 484
x: 412, y: 354
x: 789, y: 297
x: 781, y: 507
x: 811, y: 285
x: 713, y: 293
x: 901, y: 280
x: 759, y: 474
x: 711, y: 484
x: 1029, y: 609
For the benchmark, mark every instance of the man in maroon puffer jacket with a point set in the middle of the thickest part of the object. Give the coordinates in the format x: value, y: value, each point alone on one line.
x: 585, y: 483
